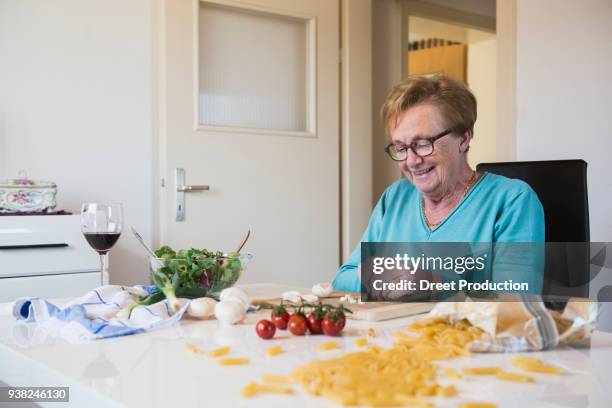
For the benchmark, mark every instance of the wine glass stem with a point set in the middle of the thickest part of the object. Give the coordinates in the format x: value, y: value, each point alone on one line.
x: 102, y: 269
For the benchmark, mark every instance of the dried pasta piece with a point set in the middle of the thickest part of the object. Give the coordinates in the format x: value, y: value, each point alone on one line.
x: 502, y: 375
x: 221, y: 351
x: 253, y: 389
x: 330, y: 345
x: 413, y: 402
x: 449, y: 372
x: 276, y: 389
x: 448, y: 391
x: 361, y: 342
x: 233, y: 361
x: 274, y: 351
x: 544, y: 369
x: 193, y: 348
x: 427, y: 391
x: 477, y: 405
x: 371, y: 332
x: 481, y: 370
x: 534, y: 365
x: 276, y: 379
x: 250, y: 390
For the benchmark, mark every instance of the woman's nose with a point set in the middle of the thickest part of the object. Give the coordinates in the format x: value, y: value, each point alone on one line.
x: 413, y: 159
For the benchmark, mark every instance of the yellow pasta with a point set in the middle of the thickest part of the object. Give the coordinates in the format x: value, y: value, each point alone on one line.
x: 404, y: 374
x: 361, y: 342
x: 481, y: 370
x: 330, y: 345
x: 233, y: 361
x: 436, y: 333
x: 221, y: 351
x: 534, y: 365
x: 413, y: 402
x: 448, y: 391
x: 373, y: 377
x: 274, y: 351
x: 502, y: 375
x: 477, y: 405
x: 253, y: 389
x: 277, y: 389
x: 193, y: 348
x: 449, y: 372
x: 544, y: 369
x: 250, y: 390
x: 277, y: 379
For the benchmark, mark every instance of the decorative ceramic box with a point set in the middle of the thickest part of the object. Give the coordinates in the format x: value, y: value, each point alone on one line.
x: 24, y: 195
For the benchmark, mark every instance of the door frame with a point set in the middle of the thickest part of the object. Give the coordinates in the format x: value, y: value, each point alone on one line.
x: 504, y: 27
x: 356, y: 165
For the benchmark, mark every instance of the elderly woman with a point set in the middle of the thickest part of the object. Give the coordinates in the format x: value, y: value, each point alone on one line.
x: 441, y: 198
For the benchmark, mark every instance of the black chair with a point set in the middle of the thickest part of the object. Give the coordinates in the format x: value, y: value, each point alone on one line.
x: 561, y: 186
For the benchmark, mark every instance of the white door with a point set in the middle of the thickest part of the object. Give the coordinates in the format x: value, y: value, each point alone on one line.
x: 249, y: 101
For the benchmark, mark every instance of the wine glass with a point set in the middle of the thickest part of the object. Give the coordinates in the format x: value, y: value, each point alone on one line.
x: 101, y: 225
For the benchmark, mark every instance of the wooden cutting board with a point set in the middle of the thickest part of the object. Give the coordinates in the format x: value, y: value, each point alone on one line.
x: 369, y: 311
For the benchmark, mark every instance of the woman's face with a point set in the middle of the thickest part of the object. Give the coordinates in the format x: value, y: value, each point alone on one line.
x: 434, y: 175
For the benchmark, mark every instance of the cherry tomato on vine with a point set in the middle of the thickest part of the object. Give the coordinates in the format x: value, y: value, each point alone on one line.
x: 331, y: 327
x: 280, y: 317
x: 341, y: 321
x: 265, y: 329
x: 314, y: 323
x: 339, y: 315
x: 297, y: 324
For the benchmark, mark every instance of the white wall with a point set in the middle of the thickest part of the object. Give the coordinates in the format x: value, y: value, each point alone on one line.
x: 76, y: 107
x: 482, y: 81
x: 563, y: 88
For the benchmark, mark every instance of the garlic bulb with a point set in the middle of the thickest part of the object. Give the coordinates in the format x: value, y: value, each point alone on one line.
x: 230, y: 311
x: 323, y: 289
x: 310, y: 298
x: 237, y: 295
x: 202, y: 308
x: 292, y: 296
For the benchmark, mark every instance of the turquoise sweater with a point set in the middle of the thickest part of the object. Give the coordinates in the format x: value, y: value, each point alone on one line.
x: 496, y: 209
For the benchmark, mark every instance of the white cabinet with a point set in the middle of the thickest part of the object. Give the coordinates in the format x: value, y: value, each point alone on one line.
x: 47, y: 270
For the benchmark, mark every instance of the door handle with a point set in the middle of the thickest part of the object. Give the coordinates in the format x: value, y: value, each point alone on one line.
x: 188, y: 189
x: 181, y: 189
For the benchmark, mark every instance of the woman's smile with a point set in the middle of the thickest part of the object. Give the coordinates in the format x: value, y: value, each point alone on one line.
x: 422, y: 173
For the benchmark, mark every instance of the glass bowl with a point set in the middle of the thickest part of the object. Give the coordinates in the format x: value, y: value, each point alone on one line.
x: 201, y: 276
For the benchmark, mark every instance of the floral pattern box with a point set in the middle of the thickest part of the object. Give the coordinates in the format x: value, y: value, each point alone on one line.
x: 24, y: 195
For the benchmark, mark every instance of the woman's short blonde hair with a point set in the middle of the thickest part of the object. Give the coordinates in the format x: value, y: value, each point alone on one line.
x: 455, y: 101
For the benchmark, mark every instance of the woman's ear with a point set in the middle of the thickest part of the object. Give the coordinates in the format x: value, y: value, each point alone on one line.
x: 466, y: 138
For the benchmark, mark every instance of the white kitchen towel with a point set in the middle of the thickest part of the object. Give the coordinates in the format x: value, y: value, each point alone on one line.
x: 96, y: 315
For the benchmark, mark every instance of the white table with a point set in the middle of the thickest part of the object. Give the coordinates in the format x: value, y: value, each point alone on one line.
x: 156, y: 370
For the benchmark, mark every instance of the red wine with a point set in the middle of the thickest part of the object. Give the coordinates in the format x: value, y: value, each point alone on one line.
x: 102, y: 241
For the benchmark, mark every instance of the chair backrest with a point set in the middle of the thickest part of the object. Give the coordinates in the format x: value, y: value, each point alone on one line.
x: 561, y: 186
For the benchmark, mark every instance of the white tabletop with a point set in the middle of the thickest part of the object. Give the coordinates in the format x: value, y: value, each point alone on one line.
x: 156, y: 370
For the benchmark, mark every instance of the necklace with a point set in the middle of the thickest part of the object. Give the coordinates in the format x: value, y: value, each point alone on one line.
x: 470, y: 184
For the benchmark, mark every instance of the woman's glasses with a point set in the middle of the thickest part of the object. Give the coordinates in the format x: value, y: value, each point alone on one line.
x: 421, y: 147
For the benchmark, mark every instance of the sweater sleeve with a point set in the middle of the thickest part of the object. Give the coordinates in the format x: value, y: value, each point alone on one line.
x: 348, y: 276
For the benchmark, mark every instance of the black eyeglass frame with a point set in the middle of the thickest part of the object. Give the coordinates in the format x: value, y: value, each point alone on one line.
x: 412, y: 146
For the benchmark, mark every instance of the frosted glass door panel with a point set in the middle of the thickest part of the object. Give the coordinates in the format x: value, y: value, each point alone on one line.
x: 253, y: 69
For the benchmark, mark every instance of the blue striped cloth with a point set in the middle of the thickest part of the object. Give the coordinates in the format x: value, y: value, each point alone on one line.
x: 96, y: 315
